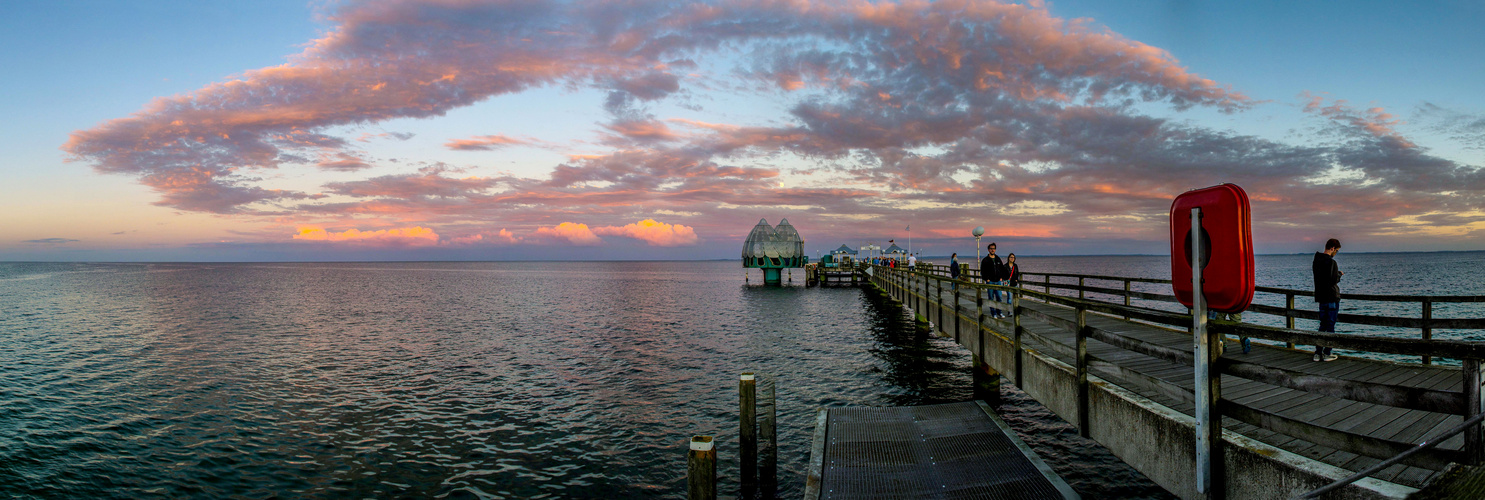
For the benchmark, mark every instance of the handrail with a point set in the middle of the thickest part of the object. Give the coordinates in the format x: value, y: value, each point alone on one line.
x: 1400, y: 396
x: 1426, y: 323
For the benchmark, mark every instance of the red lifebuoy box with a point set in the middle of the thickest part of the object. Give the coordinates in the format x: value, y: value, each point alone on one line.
x: 1227, y: 247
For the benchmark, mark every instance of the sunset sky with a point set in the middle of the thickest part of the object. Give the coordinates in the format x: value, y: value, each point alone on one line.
x: 454, y: 129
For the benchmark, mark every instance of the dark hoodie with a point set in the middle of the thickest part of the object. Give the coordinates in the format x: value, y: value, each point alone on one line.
x: 1327, y: 279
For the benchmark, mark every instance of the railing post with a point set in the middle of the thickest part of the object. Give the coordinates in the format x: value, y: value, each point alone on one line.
x: 1208, y: 379
x: 1015, y: 334
x: 1427, y: 325
x: 956, y: 313
x: 1474, y: 448
x: 1047, y: 287
x: 1080, y: 287
x: 1289, y: 315
x: 701, y: 469
x: 747, y: 433
x: 1126, y: 298
x: 938, y: 298
x: 1081, y: 363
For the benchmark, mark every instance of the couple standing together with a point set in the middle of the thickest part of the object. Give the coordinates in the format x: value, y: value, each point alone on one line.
x: 995, y: 272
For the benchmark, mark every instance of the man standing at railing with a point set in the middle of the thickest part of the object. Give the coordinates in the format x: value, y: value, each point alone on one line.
x: 993, y: 271
x: 1327, y: 292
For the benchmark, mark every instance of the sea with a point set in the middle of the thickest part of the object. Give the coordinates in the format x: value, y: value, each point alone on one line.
x: 492, y: 379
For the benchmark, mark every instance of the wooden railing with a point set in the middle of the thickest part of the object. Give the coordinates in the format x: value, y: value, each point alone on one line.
x: 1466, y: 402
x: 1426, y: 323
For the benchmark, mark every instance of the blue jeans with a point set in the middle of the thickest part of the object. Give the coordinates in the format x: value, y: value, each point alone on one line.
x: 995, y: 295
x: 1328, y: 313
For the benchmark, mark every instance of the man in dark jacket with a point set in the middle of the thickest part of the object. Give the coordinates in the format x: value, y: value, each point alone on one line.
x: 992, y: 270
x: 1327, y: 292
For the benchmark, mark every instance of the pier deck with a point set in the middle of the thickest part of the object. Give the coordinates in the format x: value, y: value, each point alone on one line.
x: 1290, y: 424
x: 957, y: 450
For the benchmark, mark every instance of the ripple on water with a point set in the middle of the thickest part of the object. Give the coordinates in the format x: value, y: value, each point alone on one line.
x: 456, y: 380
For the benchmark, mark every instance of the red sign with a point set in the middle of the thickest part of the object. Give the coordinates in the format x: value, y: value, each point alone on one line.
x: 1226, y: 243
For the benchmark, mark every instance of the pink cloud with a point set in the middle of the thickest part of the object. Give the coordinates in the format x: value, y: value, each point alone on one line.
x: 412, y: 236
x: 655, y: 233
x: 574, y: 233
x: 483, y: 143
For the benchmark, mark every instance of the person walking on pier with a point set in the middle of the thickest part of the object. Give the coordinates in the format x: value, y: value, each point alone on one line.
x: 993, y: 271
x: 1327, y: 292
x: 954, y: 270
x: 913, y: 261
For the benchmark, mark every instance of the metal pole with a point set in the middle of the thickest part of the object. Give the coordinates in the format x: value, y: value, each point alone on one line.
x: 701, y: 469
x: 1208, y: 423
x: 747, y: 435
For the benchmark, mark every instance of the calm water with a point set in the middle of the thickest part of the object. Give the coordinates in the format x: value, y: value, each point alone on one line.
x: 504, y: 380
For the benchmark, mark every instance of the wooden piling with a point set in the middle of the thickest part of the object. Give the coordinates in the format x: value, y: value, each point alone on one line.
x: 701, y: 469
x: 768, y: 455
x: 747, y: 432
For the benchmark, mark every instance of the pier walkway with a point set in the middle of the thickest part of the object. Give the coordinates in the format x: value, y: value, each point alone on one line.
x: 957, y: 450
x: 1123, y: 375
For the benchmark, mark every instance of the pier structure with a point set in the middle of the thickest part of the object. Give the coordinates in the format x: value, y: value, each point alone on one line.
x: 774, y: 249
x: 1123, y: 375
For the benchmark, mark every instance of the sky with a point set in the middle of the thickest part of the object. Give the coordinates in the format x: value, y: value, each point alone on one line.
x: 516, y: 130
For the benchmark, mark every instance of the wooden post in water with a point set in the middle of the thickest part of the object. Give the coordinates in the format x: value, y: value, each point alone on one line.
x: 1427, y: 325
x: 747, y: 433
x: 1208, y: 378
x: 1080, y: 338
x: 768, y: 456
x: 1474, y: 445
x: 701, y: 469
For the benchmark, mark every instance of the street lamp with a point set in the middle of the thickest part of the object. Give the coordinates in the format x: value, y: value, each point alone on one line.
x: 978, y: 232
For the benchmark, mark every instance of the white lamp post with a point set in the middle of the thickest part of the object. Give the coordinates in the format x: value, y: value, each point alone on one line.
x: 978, y: 232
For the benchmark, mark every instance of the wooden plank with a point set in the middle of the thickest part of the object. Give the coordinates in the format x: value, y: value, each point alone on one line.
x: 1361, y: 445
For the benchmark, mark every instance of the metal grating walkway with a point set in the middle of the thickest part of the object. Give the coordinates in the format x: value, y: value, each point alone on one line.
x: 947, y: 451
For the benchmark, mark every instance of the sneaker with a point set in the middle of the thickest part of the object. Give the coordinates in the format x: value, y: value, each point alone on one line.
x: 1316, y: 358
x: 1330, y: 357
x: 1247, y: 345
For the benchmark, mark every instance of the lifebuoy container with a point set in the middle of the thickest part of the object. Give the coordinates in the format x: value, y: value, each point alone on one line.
x: 1227, y: 247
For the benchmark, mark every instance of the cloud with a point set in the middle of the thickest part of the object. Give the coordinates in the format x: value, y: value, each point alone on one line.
x: 655, y: 233
x: 953, y: 110
x: 51, y: 241
x: 343, y: 162
x: 412, y: 236
x: 574, y: 233
x: 483, y: 143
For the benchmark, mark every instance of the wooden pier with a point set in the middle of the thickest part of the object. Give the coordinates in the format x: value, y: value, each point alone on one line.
x: 957, y: 450
x: 847, y: 275
x: 1123, y: 375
